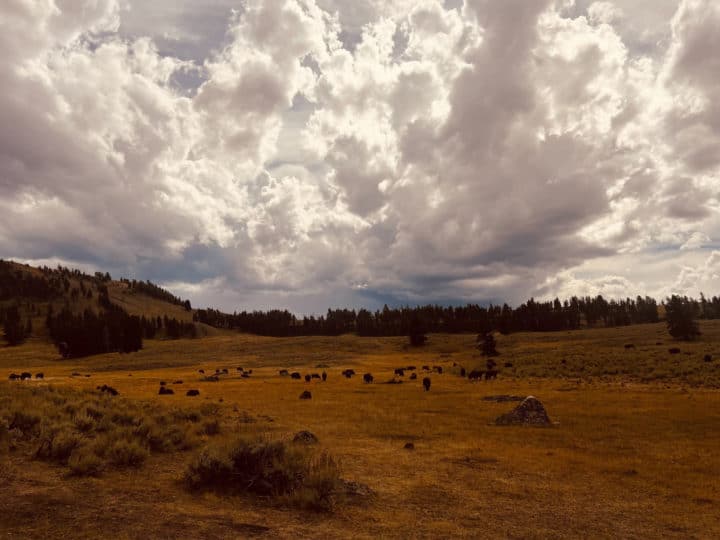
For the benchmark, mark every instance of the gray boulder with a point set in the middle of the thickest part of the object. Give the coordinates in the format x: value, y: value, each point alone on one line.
x: 530, y: 412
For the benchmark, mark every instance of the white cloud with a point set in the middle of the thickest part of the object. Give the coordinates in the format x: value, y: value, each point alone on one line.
x: 484, y: 151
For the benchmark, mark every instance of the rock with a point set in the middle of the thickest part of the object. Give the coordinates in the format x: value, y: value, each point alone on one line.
x: 530, y: 412
x: 306, y: 395
x: 305, y: 437
x: 355, y: 489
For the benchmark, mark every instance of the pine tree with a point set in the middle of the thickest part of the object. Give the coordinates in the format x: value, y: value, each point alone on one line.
x: 680, y: 313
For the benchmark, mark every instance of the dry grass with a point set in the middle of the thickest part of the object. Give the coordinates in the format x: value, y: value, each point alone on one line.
x: 634, y: 453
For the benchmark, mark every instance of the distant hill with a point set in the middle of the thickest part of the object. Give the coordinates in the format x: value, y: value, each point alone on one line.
x: 30, y: 293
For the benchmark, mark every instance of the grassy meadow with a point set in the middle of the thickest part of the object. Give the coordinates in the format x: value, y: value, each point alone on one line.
x: 632, y: 453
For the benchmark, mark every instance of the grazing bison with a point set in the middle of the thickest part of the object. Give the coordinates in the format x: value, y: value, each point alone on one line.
x: 476, y: 375
x: 348, y: 373
x: 426, y: 368
x: 315, y: 376
x: 162, y: 383
x: 307, y: 378
x: 14, y: 376
x: 413, y: 376
x: 410, y: 368
x: 284, y: 372
x: 426, y: 383
x: 225, y: 371
x: 324, y: 376
x: 245, y: 375
x: 108, y: 389
x: 165, y: 391
x: 306, y: 395
x: 192, y: 393
x: 239, y: 369
x: 491, y: 374
x: 211, y: 378
x: 201, y: 371
x: 462, y: 372
x: 296, y: 375
x: 400, y: 372
x: 368, y: 378
x: 438, y: 369
x: 249, y: 372
x: 25, y: 375
x: 39, y: 375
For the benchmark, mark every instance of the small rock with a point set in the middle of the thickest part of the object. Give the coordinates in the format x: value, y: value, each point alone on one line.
x: 305, y: 437
x: 530, y: 412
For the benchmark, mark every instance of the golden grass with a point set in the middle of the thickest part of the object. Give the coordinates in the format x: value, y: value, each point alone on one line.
x: 634, y: 453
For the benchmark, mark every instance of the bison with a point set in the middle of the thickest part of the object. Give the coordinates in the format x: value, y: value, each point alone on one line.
x: 462, y: 372
x: 368, y: 378
x: 674, y: 350
x: 400, y: 372
x: 476, y: 375
x: 14, y: 376
x: 413, y: 376
x: 315, y: 376
x: 491, y: 374
x: 324, y: 376
x: 295, y: 375
x: 201, y: 371
x: 307, y: 378
x: 306, y: 395
x: 39, y: 375
x: 426, y: 383
x: 284, y: 372
x: 165, y: 391
x: 25, y: 375
x: 192, y: 393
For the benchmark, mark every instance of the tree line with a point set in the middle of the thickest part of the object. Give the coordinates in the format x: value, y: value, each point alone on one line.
x: 531, y: 316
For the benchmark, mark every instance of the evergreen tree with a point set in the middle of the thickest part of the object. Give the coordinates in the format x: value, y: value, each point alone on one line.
x: 680, y: 313
x: 487, y: 344
x: 13, y: 328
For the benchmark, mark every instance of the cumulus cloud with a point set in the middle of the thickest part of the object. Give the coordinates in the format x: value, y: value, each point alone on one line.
x: 310, y: 152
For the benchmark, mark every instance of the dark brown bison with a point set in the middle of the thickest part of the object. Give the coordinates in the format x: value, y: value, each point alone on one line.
x: 39, y: 375
x: 315, y: 376
x: 400, y: 372
x: 166, y: 391
x: 192, y: 393
x: 201, y: 371
x: 284, y: 372
x: 14, y: 376
x: 413, y: 376
x: 491, y: 374
x: 307, y: 377
x: 306, y: 395
x: 368, y: 378
x: 426, y: 383
x: 25, y: 375
x: 476, y: 375
x: 296, y: 375
x: 324, y: 376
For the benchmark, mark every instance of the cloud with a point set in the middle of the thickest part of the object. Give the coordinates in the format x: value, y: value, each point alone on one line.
x: 287, y: 151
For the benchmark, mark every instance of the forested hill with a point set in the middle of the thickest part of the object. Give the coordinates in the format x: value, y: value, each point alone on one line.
x: 87, y: 314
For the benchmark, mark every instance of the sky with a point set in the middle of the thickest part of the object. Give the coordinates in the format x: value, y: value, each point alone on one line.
x: 307, y: 154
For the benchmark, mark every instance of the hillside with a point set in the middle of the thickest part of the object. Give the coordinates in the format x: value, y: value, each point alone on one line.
x: 37, y: 291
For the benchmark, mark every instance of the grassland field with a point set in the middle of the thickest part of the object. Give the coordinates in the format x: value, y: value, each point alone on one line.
x: 634, y: 451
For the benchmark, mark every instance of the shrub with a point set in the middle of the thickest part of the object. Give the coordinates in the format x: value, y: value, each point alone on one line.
x: 58, y: 445
x: 124, y: 453
x: 270, y: 468
x: 84, y: 462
